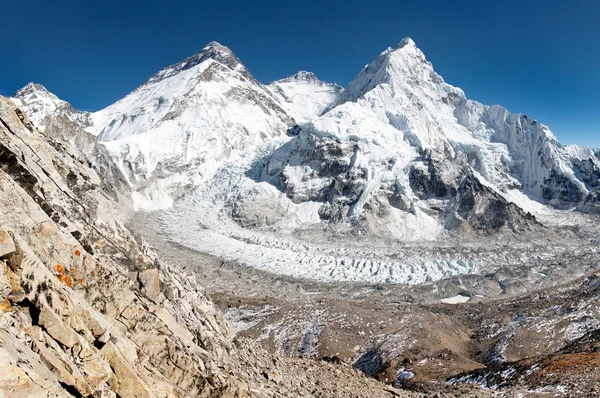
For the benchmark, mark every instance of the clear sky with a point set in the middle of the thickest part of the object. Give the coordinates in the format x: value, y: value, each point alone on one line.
x: 541, y: 58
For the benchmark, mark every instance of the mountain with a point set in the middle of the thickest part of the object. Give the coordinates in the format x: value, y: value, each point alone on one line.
x: 350, y: 233
x: 401, y: 144
x: 65, y: 257
x: 304, y: 96
x: 38, y: 103
x: 171, y: 133
x: 88, y: 309
x: 399, y: 155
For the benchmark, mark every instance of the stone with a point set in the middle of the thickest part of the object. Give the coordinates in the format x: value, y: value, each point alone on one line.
x: 82, y: 320
x: 57, y: 329
x: 7, y: 246
x: 150, y: 281
x: 15, y: 259
x: 5, y: 306
x: 35, y: 332
x: 23, y: 374
x: 126, y: 382
x: 5, y: 285
x: 96, y: 371
x: 273, y: 376
x: 10, y: 284
x: 104, y: 337
x: 65, y: 372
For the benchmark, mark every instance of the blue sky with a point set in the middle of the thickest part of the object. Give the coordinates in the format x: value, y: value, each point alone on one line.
x: 541, y: 58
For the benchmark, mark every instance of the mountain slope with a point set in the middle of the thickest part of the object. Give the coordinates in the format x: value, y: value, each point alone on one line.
x: 171, y: 133
x: 399, y: 156
x: 400, y: 138
x: 304, y: 96
x: 38, y: 103
x: 87, y: 309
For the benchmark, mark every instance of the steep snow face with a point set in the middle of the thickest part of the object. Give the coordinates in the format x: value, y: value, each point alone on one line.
x: 304, y: 96
x: 38, y: 103
x: 171, y: 133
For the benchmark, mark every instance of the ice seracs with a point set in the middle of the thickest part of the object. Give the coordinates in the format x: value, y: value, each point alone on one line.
x: 400, y: 140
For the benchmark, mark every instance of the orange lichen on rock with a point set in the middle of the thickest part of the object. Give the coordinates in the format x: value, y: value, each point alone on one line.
x: 77, y: 253
x: 66, y: 279
x: 5, y: 305
x: 99, y: 243
x: 80, y: 280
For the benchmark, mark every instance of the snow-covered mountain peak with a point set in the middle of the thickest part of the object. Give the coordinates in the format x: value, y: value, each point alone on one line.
x: 304, y: 96
x: 407, y: 41
x: 38, y: 99
x: 401, y: 69
x: 301, y: 76
x: 173, y: 132
x: 38, y: 103
x: 212, y: 51
x: 33, y: 89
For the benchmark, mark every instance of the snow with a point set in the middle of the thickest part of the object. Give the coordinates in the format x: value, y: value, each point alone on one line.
x: 205, y: 142
x: 38, y: 103
x: 458, y: 299
x: 198, y: 224
x: 304, y: 96
x: 246, y: 317
x: 405, y: 375
x: 176, y: 128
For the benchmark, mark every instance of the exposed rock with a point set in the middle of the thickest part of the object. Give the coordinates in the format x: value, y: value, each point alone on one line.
x: 150, y: 281
x: 57, y: 329
x: 125, y: 382
x: 7, y: 246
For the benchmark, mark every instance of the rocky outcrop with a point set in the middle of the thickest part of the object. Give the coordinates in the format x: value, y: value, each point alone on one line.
x: 482, y: 209
x: 320, y: 167
x: 66, y: 257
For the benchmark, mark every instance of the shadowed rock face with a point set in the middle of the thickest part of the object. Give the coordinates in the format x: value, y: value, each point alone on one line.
x: 485, y: 210
x: 65, y: 135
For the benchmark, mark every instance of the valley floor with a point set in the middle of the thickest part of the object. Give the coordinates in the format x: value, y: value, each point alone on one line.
x: 508, y: 338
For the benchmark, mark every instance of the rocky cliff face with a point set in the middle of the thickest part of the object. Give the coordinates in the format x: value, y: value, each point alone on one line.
x: 86, y: 310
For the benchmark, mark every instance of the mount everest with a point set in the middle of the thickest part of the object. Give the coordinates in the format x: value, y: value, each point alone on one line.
x: 241, y: 169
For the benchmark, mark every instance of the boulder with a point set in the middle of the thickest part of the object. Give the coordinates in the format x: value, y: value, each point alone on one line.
x: 57, y: 329
x: 150, y: 281
x: 126, y: 382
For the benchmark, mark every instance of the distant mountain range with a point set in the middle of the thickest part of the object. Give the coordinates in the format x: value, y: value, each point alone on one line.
x: 398, y: 153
